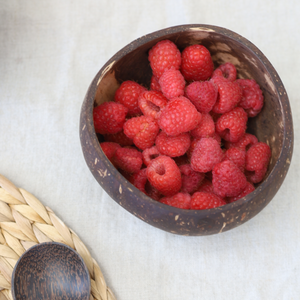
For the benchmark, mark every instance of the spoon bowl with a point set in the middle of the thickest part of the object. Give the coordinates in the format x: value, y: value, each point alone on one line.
x: 50, y: 271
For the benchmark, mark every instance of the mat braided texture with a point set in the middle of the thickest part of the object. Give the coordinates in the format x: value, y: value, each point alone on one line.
x: 24, y: 222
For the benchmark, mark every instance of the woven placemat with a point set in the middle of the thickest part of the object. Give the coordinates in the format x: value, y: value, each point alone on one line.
x: 25, y: 222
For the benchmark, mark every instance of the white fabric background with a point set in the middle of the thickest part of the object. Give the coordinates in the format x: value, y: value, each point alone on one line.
x: 49, y: 53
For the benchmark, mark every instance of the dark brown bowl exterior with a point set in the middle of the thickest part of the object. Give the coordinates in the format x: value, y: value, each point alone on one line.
x: 273, y: 125
x: 50, y: 271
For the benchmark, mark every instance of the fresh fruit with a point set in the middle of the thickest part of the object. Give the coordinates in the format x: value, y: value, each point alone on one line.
x: 206, y: 155
x: 128, y: 159
x: 163, y: 56
x: 228, y: 180
x: 151, y: 103
x: 231, y: 126
x: 202, y: 200
x: 164, y: 175
x: 128, y: 94
x: 173, y: 146
x: 180, y: 200
x: 196, y: 63
x: 252, y: 99
x: 203, y: 94
x: 142, y: 130
x: 172, y: 83
x: 179, y: 116
x: 109, y: 117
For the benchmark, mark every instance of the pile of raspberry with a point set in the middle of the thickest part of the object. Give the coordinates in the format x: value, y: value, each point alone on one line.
x: 183, y: 140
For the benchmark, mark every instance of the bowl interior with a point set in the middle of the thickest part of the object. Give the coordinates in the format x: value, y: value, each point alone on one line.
x: 50, y: 271
x: 131, y: 63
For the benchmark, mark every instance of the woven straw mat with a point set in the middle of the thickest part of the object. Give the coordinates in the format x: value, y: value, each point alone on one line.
x: 24, y: 222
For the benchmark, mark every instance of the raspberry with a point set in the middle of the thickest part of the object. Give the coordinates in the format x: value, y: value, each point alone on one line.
x: 244, y: 143
x: 151, y: 103
x: 228, y: 71
x: 164, y: 175
x: 172, y: 145
x: 247, y: 190
x: 149, y: 154
x: 252, y: 97
x: 232, y: 125
x: 109, y: 149
x: 179, y: 116
x: 237, y: 156
x: 206, y: 155
x: 206, y: 127
x: 202, y: 200
x: 143, y: 130
x: 191, y: 180
x: 163, y: 56
x: 227, y: 179
x: 203, y: 94
x: 154, y: 84
x: 257, y: 160
x: 109, y: 117
x: 139, y: 179
x: 257, y: 175
x: 196, y: 63
x: 128, y: 159
x: 206, y: 186
x: 119, y: 138
x: 229, y: 95
x: 172, y: 83
x: 180, y: 200
x: 128, y: 94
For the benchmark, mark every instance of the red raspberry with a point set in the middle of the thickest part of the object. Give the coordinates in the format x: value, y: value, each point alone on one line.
x: 244, y: 143
x: 237, y: 156
x: 172, y: 83
x: 109, y: 149
x: 180, y: 200
x: 203, y: 94
x: 228, y: 71
x: 257, y: 175
x: 196, y: 63
x: 172, y: 145
x: 128, y: 159
x: 119, y: 138
x: 228, y: 180
x: 206, y: 155
x: 248, y: 189
x: 252, y: 97
x: 143, y: 130
x: 151, y: 103
x: 232, y: 125
x: 257, y: 160
x: 206, y: 186
x: 206, y: 127
x: 191, y: 180
x: 163, y: 56
x: 201, y: 200
x: 164, y: 175
x: 154, y: 84
x: 109, y: 117
x: 149, y: 154
x: 229, y: 95
x: 128, y: 94
x: 139, y: 179
x: 179, y: 116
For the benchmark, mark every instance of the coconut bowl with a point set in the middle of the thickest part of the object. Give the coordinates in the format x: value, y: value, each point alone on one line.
x: 273, y: 126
